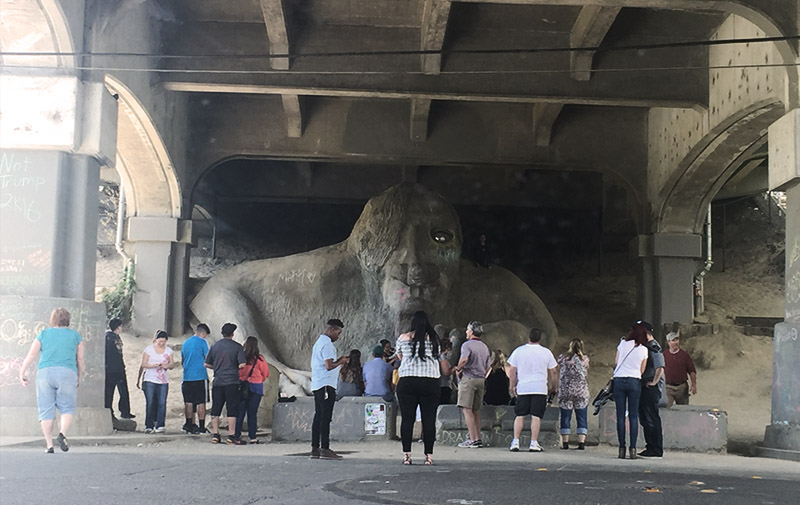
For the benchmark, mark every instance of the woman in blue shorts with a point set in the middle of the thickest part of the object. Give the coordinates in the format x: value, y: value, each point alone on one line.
x: 58, y: 376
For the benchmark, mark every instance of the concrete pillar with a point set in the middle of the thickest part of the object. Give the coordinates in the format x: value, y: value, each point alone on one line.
x: 161, y: 267
x: 782, y: 436
x: 55, y: 133
x: 668, y: 264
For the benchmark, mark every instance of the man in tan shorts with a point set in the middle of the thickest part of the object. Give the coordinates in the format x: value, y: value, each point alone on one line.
x: 471, y: 370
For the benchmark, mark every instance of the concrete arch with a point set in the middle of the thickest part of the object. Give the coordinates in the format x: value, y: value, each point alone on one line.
x: 36, y: 26
x: 146, y: 169
x: 701, y: 174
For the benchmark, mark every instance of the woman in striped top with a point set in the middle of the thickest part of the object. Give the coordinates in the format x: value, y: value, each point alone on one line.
x: 419, y: 373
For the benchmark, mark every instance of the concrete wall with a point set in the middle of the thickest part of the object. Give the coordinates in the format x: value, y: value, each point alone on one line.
x: 22, y: 319
x: 686, y: 428
x: 291, y: 421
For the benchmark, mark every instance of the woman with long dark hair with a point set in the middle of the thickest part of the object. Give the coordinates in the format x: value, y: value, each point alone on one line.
x: 156, y: 361
x: 419, y: 373
x: 255, y: 372
x: 351, y: 377
x: 630, y: 362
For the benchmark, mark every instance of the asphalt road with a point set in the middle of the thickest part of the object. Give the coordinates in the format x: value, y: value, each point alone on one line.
x: 178, y: 473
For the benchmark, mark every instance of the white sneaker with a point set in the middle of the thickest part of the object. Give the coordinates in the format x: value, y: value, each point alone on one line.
x: 159, y: 430
x: 465, y: 443
x: 514, y: 445
x: 535, y: 447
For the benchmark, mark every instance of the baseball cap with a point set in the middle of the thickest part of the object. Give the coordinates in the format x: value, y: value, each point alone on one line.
x: 672, y: 335
x: 648, y: 326
x: 377, y: 350
x: 228, y: 329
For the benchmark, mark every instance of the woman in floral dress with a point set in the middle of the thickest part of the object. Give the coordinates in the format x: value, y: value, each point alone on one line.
x: 573, y: 391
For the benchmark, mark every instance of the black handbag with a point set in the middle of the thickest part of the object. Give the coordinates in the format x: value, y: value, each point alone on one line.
x: 244, y: 386
x: 607, y: 393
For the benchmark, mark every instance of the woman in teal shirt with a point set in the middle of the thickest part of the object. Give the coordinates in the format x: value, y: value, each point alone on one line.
x: 58, y: 377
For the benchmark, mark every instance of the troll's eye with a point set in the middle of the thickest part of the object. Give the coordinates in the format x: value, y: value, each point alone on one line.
x: 442, y: 236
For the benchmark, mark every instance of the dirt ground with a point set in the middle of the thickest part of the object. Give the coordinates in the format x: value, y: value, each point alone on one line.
x: 734, y: 370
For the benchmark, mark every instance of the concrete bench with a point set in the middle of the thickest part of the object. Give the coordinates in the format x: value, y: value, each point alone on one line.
x: 291, y: 421
x: 687, y: 428
x: 497, y: 427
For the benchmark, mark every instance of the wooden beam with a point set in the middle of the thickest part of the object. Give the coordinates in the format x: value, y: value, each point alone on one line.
x: 432, y: 32
x: 277, y: 32
x: 420, y: 109
x: 544, y: 117
x: 294, y: 115
x: 589, y: 30
x: 255, y: 89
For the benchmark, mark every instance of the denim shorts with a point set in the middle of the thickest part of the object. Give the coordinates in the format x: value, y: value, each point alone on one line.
x: 56, y: 388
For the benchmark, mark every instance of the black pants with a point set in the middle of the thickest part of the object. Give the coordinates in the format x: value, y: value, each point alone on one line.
x: 425, y: 392
x: 119, y: 381
x: 324, y: 398
x: 651, y: 419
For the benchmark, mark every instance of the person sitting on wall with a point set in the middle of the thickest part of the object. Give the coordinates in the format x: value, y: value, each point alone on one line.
x: 351, y: 377
x: 377, y: 375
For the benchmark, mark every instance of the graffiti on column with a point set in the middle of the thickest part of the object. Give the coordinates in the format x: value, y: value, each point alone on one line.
x: 25, y: 192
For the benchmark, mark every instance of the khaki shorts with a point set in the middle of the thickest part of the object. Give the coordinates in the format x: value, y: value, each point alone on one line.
x: 470, y: 393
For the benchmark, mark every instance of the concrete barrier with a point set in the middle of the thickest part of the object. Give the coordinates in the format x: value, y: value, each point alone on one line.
x: 291, y: 421
x: 497, y: 427
x: 687, y: 428
x: 22, y: 318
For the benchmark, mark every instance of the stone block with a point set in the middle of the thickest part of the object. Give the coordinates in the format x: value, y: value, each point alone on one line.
x: 497, y: 426
x: 124, y: 424
x: 291, y: 421
x: 687, y: 428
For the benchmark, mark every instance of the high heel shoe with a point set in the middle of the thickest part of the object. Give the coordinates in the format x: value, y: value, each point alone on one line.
x: 406, y: 459
x: 428, y: 460
x: 621, y: 453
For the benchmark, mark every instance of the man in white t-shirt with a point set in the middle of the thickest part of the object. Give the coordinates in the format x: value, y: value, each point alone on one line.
x: 530, y: 366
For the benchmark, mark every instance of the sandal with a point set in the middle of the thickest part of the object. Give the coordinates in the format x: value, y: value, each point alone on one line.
x: 406, y: 459
x: 215, y: 438
x: 62, y: 442
x: 428, y: 460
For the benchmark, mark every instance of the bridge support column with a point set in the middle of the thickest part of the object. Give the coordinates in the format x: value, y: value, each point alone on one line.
x: 782, y: 436
x: 161, y: 263
x: 55, y: 133
x: 668, y: 264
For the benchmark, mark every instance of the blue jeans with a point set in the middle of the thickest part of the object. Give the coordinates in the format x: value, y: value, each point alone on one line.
x: 627, y: 389
x: 155, y: 396
x: 580, y: 417
x: 250, y: 406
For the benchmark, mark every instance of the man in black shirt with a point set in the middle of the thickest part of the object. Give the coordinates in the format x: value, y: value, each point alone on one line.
x: 115, y: 371
x: 225, y: 357
x: 652, y: 390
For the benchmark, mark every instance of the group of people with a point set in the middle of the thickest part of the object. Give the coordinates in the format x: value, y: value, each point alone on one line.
x: 419, y: 361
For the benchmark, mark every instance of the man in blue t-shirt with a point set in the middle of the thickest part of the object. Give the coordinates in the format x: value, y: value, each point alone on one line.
x: 195, y: 379
x: 378, y: 375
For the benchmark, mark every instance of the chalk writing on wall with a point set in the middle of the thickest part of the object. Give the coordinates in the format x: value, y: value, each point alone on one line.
x: 27, y: 205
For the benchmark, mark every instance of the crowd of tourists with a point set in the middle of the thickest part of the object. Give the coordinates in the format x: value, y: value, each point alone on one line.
x: 417, y: 372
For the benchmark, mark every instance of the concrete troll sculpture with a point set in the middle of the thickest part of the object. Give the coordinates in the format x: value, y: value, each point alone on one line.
x: 403, y: 255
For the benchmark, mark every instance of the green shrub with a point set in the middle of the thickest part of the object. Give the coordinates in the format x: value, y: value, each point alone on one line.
x: 119, y: 300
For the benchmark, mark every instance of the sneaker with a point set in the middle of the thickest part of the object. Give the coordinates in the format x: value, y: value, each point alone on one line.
x: 62, y: 442
x: 50, y: 451
x: 189, y: 428
x: 160, y: 429
x: 127, y: 416
x: 231, y: 440
x: 148, y: 431
x: 328, y: 454
x: 649, y: 454
x: 465, y: 443
x: 199, y: 430
x: 314, y: 453
x: 476, y: 444
x: 514, y: 445
x: 535, y: 447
